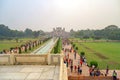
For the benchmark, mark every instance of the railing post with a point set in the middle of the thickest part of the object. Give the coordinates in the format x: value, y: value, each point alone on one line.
x: 12, y: 60
x: 49, y: 59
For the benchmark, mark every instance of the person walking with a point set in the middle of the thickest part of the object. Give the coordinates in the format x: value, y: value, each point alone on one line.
x: 93, y: 73
x: 67, y: 63
x: 97, y: 72
x: 107, y: 70
x: 80, y: 71
x: 114, y: 75
x: 68, y: 55
x: 75, y: 55
x: 81, y: 62
x: 90, y: 70
x: 75, y: 67
x: 71, y: 68
x: 85, y: 61
x: 78, y: 68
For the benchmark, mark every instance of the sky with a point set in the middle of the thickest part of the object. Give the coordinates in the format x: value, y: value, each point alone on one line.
x: 69, y: 14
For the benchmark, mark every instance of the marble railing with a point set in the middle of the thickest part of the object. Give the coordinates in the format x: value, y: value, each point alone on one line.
x: 11, y: 59
x: 5, y: 59
x: 63, y: 70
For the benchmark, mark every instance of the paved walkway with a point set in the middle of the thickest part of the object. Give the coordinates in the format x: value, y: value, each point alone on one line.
x: 29, y: 72
x: 85, y: 69
x: 111, y: 71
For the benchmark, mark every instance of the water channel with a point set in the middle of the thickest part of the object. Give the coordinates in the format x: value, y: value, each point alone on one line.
x: 45, y: 48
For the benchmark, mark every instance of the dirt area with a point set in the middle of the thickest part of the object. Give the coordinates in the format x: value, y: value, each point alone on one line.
x: 113, y: 62
x: 94, y: 52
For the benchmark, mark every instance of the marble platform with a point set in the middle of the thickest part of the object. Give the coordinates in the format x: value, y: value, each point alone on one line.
x: 29, y: 72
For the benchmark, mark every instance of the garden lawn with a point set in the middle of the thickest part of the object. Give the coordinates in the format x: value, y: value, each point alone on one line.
x: 7, y: 44
x: 110, y: 50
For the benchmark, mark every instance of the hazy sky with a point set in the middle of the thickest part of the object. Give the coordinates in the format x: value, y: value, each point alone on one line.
x: 47, y: 14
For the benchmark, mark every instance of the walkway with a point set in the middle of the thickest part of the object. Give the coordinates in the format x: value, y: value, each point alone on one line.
x: 29, y: 72
x: 85, y: 69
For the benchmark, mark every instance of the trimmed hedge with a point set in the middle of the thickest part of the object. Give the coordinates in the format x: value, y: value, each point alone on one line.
x: 76, y: 48
x: 82, y: 53
x: 73, y: 45
x: 58, y: 46
x: 95, y: 63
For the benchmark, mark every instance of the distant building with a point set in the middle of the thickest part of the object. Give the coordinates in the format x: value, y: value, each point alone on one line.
x: 59, y: 32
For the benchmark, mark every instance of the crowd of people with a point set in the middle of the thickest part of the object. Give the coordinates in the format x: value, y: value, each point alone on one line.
x: 24, y: 47
x: 77, y: 68
x: 69, y: 62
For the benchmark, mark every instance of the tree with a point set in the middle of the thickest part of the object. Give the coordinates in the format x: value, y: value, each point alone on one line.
x: 36, y: 34
x: 111, y: 27
x: 16, y: 40
x: 111, y: 32
x: 28, y: 32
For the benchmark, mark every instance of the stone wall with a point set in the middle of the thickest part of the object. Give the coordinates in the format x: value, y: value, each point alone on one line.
x: 10, y: 59
x: 63, y: 69
x: 30, y: 59
x: 55, y: 59
x: 5, y: 59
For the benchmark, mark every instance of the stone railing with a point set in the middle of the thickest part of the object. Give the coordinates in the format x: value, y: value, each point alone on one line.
x: 30, y: 59
x: 10, y: 59
x: 63, y: 70
x: 5, y: 59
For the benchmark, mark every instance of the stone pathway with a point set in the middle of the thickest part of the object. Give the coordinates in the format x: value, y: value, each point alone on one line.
x: 111, y: 71
x: 29, y: 72
x: 85, y: 69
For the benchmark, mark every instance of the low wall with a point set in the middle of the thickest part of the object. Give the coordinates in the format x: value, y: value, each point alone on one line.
x: 55, y: 59
x: 5, y: 59
x: 30, y: 59
x: 10, y: 59
x: 63, y: 70
x: 89, y: 78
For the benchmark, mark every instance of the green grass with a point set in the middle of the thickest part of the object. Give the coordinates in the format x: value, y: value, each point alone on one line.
x: 111, y: 50
x: 57, y: 47
x: 7, y: 44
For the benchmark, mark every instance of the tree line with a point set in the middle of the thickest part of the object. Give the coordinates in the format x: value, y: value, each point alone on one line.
x: 6, y: 33
x: 111, y: 32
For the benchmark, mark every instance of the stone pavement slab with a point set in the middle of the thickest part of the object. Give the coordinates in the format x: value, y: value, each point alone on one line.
x: 47, y: 73
x: 29, y: 72
x: 31, y: 69
x: 33, y: 76
x: 13, y: 76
